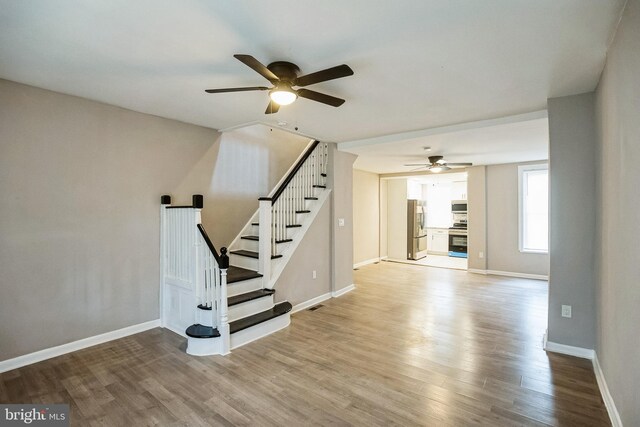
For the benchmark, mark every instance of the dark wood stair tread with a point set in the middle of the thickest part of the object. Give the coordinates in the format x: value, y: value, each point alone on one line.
x: 293, y: 225
x: 249, y: 296
x: 201, y: 331
x: 255, y: 223
x: 251, y: 254
x: 319, y: 186
x: 323, y: 174
x: 257, y: 238
x: 247, y: 322
x: 311, y: 198
x: 238, y: 274
x: 305, y: 211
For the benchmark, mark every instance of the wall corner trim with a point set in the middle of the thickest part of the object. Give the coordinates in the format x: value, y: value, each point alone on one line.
x: 310, y: 303
x: 342, y: 291
x: 366, y: 262
x: 48, y: 353
x: 614, y: 416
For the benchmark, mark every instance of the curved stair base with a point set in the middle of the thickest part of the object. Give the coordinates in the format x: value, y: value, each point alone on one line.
x: 204, y: 346
x: 203, y: 340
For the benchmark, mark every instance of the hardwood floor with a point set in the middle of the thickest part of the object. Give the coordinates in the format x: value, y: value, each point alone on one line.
x: 411, y: 345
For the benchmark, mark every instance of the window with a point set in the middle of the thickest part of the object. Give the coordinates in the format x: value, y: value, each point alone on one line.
x: 533, y: 191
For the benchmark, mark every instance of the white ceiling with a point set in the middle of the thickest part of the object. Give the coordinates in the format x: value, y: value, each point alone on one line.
x: 418, y: 64
x: 508, y: 140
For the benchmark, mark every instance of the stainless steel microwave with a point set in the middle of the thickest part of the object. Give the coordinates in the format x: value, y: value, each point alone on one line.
x: 459, y: 206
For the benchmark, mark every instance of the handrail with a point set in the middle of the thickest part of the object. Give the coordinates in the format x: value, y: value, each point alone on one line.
x: 207, y: 240
x: 292, y: 173
x: 197, y: 202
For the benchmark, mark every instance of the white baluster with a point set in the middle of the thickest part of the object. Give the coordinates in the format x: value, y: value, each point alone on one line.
x: 223, y: 324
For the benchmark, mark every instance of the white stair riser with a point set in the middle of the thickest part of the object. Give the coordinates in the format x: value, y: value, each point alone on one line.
x: 243, y: 261
x: 244, y: 286
x: 250, y: 245
x: 249, y: 308
x: 204, y: 346
x: 260, y: 330
x: 204, y: 317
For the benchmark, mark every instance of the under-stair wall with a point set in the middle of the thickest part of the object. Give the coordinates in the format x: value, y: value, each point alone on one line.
x: 239, y: 167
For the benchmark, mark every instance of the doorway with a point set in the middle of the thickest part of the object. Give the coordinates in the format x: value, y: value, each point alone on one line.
x: 425, y: 212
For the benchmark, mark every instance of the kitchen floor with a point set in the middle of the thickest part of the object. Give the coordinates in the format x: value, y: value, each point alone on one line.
x: 441, y: 261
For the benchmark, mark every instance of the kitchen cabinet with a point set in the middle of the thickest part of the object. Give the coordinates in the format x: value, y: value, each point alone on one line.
x: 459, y: 190
x: 438, y: 241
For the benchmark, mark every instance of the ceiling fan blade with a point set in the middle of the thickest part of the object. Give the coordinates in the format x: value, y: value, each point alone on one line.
x: 257, y: 66
x: 324, y: 75
x: 420, y: 168
x: 418, y: 164
x: 458, y: 164
x: 236, y: 89
x: 272, y: 108
x: 320, y: 97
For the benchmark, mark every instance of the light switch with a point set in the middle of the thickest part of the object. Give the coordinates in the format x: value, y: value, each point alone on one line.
x: 340, y: 222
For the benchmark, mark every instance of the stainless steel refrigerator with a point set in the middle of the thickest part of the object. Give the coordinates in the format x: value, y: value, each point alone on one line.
x: 416, y: 229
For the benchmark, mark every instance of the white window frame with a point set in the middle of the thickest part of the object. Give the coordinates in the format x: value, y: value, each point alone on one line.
x: 521, y: 170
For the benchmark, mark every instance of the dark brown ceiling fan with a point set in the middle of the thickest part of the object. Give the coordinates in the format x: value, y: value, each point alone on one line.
x: 438, y: 164
x: 284, y: 76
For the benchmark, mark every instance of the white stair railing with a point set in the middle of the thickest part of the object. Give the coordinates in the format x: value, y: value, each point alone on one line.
x: 192, y: 271
x: 280, y: 209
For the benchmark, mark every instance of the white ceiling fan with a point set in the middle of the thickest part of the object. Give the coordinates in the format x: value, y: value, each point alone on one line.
x: 437, y: 164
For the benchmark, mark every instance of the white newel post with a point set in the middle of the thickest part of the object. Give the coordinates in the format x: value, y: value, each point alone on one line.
x: 264, y: 241
x: 223, y: 325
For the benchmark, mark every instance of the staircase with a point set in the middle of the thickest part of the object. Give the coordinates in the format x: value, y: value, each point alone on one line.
x: 227, y: 299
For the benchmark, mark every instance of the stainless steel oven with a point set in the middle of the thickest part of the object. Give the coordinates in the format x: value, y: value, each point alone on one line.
x: 458, y: 242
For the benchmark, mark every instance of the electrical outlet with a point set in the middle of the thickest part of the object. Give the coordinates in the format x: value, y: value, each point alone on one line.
x: 480, y: 255
x: 313, y: 274
x: 566, y: 311
x: 340, y: 222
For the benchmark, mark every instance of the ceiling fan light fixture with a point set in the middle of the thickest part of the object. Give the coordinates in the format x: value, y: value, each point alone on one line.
x: 439, y: 168
x: 282, y: 95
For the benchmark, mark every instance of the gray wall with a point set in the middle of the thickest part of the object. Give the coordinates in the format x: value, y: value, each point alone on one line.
x: 618, y: 202
x: 239, y: 167
x: 80, y: 184
x: 397, y: 218
x: 572, y: 222
x: 340, y: 180
x: 296, y: 283
x: 477, y: 215
x: 503, y: 252
x: 366, y: 216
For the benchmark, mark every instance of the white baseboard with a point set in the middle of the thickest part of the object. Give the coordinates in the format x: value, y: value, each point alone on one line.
x: 606, y: 396
x: 509, y: 274
x: 48, y: 353
x: 569, y: 350
x: 311, y: 302
x: 342, y: 291
x: 367, y: 262
x: 586, y: 353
